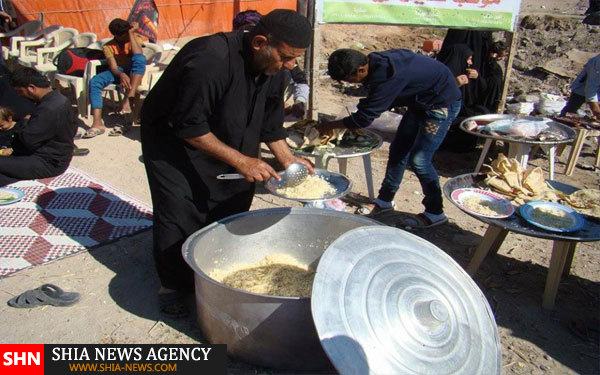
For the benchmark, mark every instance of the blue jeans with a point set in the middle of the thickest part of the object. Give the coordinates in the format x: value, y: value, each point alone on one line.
x: 575, y: 102
x: 418, y: 137
x: 101, y: 80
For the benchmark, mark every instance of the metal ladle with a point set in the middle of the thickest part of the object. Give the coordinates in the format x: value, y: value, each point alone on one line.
x: 293, y: 175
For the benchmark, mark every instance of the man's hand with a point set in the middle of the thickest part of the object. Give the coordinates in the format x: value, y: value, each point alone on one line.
x: 255, y: 170
x: 462, y: 80
x: 472, y: 74
x: 595, y: 108
x: 125, y: 82
x: 6, y: 151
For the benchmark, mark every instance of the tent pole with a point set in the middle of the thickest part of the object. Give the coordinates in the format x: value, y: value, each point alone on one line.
x: 301, y: 7
x: 314, y: 62
x: 512, y: 42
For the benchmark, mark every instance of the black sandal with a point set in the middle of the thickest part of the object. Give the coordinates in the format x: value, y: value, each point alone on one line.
x: 173, y: 304
x: 47, y: 294
x: 118, y: 130
x: 420, y: 221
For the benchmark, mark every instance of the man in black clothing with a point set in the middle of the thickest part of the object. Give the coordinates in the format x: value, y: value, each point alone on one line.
x: 295, y: 81
x: 44, y: 146
x: 20, y: 106
x: 215, y: 102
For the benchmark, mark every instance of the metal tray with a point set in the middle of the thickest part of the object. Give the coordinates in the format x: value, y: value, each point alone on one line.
x: 344, y: 152
x: 341, y: 183
x: 484, y: 119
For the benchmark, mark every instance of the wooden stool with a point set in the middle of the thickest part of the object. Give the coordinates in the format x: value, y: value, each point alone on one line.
x: 577, y: 145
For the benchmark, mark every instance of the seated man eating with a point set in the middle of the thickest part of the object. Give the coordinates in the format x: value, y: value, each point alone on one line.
x: 43, y: 147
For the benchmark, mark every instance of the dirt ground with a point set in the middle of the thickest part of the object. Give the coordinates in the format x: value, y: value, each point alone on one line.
x: 118, y: 282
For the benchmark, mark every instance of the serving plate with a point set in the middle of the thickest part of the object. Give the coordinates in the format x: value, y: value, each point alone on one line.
x: 17, y: 196
x: 461, y: 195
x: 527, y: 209
x: 340, y: 182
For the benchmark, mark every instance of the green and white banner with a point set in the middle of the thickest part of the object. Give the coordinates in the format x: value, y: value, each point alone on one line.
x: 476, y: 14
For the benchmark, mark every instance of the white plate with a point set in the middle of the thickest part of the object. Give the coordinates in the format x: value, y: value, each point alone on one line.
x: 18, y: 195
x: 459, y: 196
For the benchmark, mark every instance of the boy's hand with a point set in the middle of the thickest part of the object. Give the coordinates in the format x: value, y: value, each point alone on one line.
x: 125, y: 82
x: 134, y: 26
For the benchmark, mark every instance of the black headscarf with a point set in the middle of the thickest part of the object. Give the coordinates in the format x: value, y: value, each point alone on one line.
x: 456, y: 58
x: 480, y: 43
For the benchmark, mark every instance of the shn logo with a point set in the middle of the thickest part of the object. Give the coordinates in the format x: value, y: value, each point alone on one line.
x: 18, y: 359
x: 21, y: 358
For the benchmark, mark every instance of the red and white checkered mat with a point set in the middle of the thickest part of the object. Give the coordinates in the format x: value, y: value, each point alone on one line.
x: 64, y: 215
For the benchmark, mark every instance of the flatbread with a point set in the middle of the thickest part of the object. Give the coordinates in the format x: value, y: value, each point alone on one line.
x: 533, y: 180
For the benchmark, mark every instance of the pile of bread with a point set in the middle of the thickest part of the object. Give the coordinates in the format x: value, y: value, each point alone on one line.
x: 520, y: 185
x: 305, y: 133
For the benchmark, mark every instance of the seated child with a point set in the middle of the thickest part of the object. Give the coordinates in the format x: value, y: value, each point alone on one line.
x: 8, y: 129
x: 127, y: 65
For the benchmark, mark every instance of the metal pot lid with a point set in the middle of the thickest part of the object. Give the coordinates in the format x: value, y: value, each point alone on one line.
x: 385, y: 301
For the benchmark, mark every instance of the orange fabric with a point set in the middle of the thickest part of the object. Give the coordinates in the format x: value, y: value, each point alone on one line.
x: 177, y: 18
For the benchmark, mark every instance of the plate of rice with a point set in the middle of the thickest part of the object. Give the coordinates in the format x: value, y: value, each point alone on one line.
x: 552, y: 216
x: 323, y: 185
x: 10, y: 195
x: 482, y: 203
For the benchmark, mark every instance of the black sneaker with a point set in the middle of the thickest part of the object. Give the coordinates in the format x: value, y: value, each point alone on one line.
x: 592, y: 19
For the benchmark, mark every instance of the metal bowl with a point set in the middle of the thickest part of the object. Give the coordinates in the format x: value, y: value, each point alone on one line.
x: 265, y: 330
x: 340, y: 182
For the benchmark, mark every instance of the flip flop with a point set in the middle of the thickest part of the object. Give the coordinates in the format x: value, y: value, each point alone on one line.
x: 173, y: 304
x: 420, y: 221
x: 80, y: 151
x: 92, y: 132
x: 47, y: 294
x: 356, y: 199
x: 118, y: 130
x: 373, y: 209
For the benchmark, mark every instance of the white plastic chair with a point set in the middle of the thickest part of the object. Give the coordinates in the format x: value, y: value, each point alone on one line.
x: 59, y: 39
x: 45, y: 56
x: 99, y: 43
x: 13, y: 51
x: 148, y: 82
x: 26, y: 29
x: 80, y: 84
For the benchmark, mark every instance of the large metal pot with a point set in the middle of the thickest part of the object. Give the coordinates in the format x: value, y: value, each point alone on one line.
x: 277, y: 332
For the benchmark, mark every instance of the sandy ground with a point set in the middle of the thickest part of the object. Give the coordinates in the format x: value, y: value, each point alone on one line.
x: 118, y: 282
